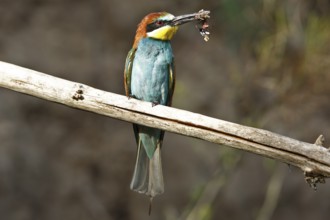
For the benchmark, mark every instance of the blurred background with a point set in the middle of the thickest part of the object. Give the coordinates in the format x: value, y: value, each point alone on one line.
x: 266, y: 65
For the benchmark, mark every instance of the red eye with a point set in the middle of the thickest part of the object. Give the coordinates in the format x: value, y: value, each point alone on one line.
x: 159, y: 23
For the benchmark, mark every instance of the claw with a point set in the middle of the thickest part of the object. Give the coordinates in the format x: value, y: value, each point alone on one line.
x: 131, y: 96
x: 153, y: 104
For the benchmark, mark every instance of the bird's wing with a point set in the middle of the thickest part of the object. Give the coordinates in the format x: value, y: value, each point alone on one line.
x: 171, y: 84
x: 127, y: 83
x: 128, y: 71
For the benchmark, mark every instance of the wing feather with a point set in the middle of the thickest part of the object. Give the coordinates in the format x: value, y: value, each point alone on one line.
x: 171, y: 83
x: 128, y: 71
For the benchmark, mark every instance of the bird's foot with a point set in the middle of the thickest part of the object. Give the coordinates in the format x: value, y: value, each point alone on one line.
x: 131, y: 96
x: 153, y: 104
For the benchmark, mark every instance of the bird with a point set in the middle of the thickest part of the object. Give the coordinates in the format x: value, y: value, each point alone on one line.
x: 149, y: 75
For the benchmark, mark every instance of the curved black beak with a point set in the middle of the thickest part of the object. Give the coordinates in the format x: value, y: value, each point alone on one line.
x: 182, y: 19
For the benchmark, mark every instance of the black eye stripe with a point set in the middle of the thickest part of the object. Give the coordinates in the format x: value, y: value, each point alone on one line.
x: 156, y: 24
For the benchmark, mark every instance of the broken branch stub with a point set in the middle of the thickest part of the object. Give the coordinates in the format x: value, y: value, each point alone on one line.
x: 314, y: 177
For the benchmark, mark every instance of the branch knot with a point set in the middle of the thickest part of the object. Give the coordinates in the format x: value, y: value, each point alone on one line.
x: 78, y: 94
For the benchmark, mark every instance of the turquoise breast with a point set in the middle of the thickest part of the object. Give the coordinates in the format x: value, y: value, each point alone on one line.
x: 150, y: 71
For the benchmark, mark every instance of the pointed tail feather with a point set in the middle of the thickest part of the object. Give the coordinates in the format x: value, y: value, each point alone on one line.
x: 148, y: 174
x: 156, y: 182
x: 139, y: 181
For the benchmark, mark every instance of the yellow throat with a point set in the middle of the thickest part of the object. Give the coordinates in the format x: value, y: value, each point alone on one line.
x: 163, y: 33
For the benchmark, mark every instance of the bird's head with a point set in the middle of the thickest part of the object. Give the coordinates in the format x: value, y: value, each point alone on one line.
x: 160, y: 26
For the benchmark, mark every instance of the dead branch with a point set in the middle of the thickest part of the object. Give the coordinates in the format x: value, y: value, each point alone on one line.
x: 312, y: 159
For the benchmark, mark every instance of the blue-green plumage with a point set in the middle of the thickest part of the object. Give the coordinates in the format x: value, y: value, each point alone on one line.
x: 150, y: 73
x: 149, y: 76
x: 150, y: 82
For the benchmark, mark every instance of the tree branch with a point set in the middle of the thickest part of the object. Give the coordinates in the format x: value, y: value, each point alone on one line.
x: 313, y: 159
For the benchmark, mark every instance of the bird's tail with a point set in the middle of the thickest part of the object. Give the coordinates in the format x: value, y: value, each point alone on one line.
x: 148, y: 174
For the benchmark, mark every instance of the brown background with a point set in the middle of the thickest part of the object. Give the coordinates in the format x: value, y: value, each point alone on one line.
x: 266, y: 65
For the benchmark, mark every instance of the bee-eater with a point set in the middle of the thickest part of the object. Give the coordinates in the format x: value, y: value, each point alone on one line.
x: 149, y: 75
